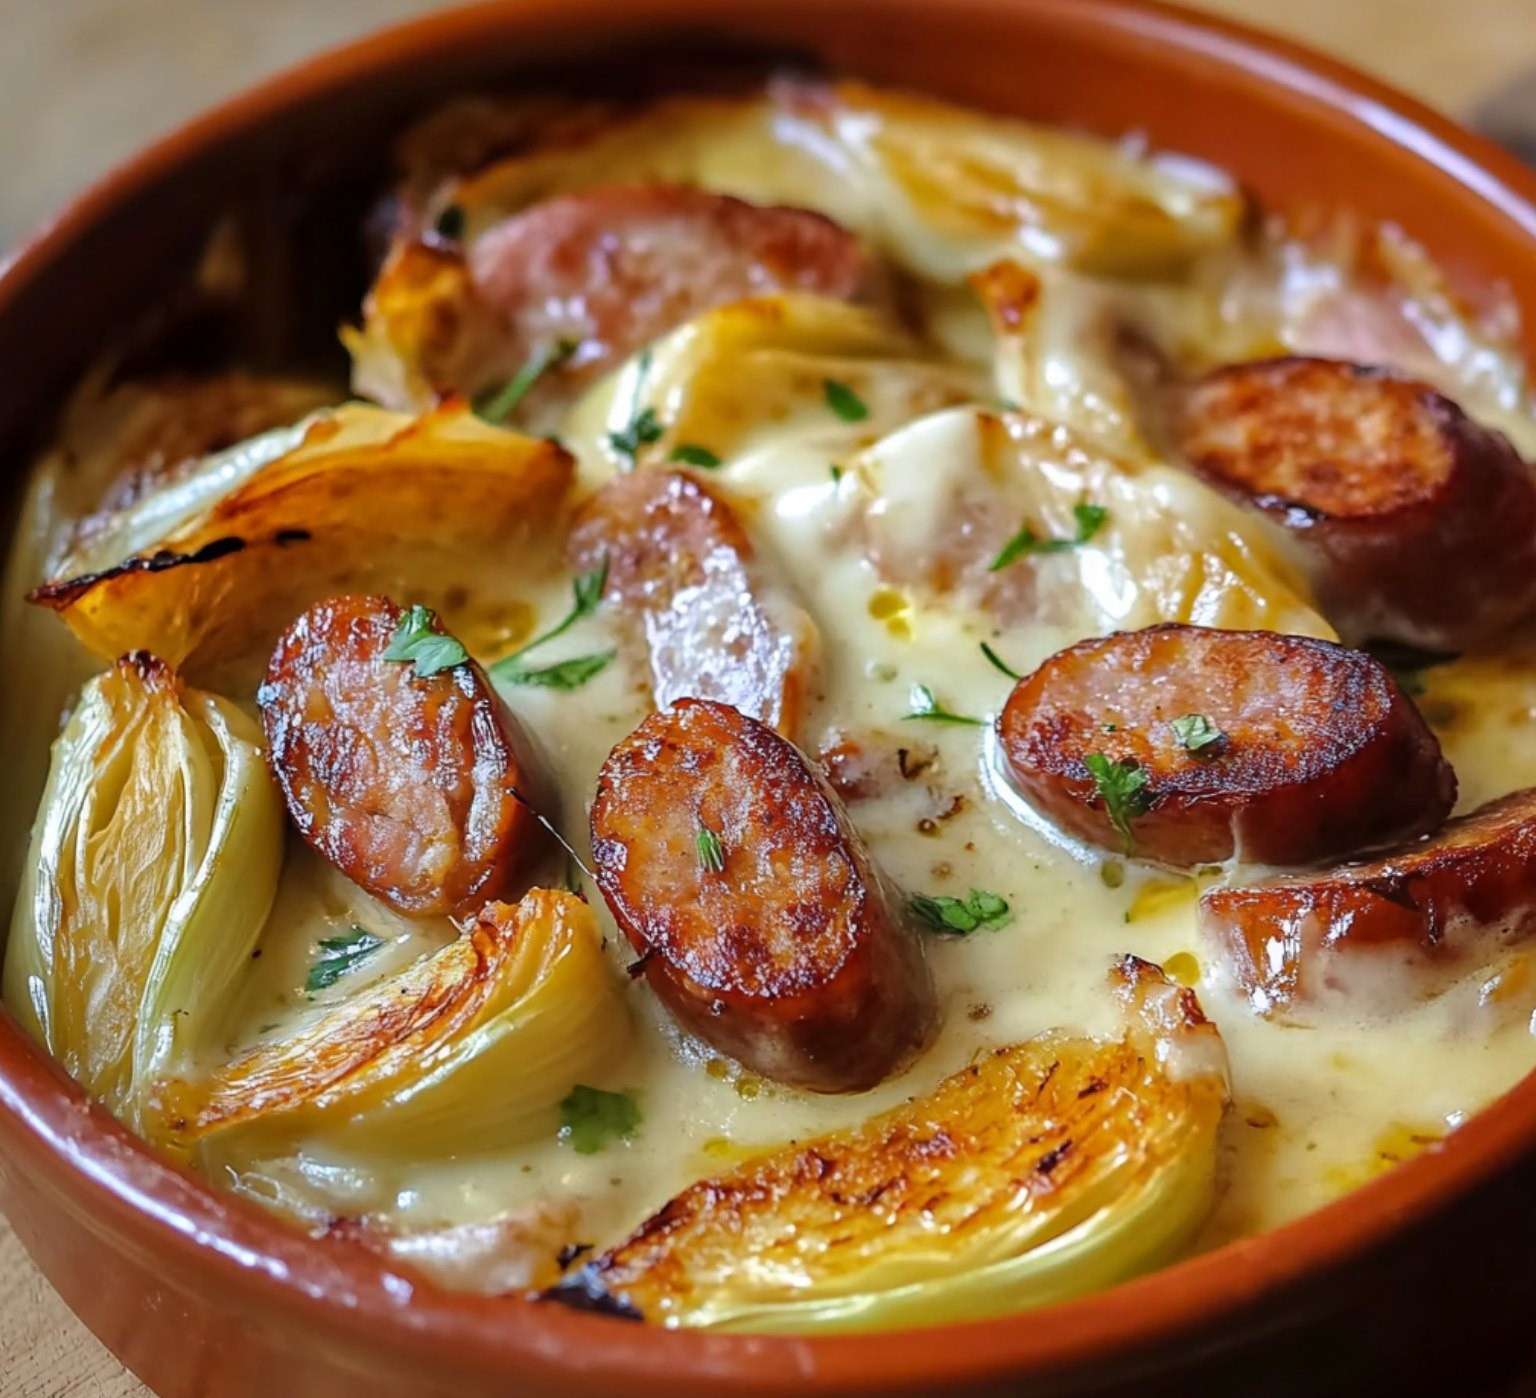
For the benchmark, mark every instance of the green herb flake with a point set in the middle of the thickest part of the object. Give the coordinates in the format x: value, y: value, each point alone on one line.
x: 837, y: 473
x: 692, y: 454
x: 844, y: 401
x: 586, y: 594
x: 926, y: 707
x: 450, y: 223
x: 1090, y: 519
x: 998, y: 663
x: 1123, y: 787
x: 644, y: 428
x: 417, y: 639
x: 711, y: 851
x: 497, y: 407
x: 960, y: 915
x: 563, y: 674
x: 590, y: 1118
x: 1196, y: 732
x: 340, y: 956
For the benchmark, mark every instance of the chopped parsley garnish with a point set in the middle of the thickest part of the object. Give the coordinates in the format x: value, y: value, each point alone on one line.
x: 925, y: 706
x: 586, y: 593
x: 644, y: 427
x: 340, y: 956
x: 563, y: 674
x: 962, y: 915
x: 844, y: 401
x: 711, y: 851
x: 590, y: 1118
x: 497, y: 407
x: 998, y: 663
x: 416, y: 640
x: 1090, y: 519
x: 1196, y: 732
x: 450, y: 223
x: 692, y: 454
x: 1123, y: 785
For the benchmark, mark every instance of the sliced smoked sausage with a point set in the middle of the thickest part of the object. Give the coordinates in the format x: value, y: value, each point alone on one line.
x: 610, y: 269
x: 409, y: 783
x: 1420, y: 524
x: 1283, y: 749
x: 761, y: 921
x: 1382, y: 932
x: 712, y: 624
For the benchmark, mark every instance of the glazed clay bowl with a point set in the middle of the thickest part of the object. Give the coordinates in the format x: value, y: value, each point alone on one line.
x: 1420, y: 1274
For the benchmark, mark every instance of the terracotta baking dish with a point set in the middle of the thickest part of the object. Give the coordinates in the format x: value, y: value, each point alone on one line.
x: 1422, y: 1275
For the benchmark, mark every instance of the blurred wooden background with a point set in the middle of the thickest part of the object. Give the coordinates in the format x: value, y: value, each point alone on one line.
x: 85, y: 82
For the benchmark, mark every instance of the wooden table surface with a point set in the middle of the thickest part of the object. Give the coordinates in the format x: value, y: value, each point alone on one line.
x: 85, y: 81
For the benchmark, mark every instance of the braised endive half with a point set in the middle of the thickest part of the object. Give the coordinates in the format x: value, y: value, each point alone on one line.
x: 153, y: 864
x: 368, y: 501
x: 1041, y: 1171
x: 469, y: 1047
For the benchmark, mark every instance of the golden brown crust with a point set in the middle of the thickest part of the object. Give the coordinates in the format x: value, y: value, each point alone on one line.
x: 684, y: 575
x: 1423, y: 906
x: 1422, y: 524
x: 1320, y: 752
x: 786, y: 951
x: 407, y: 784
x: 1023, y: 1133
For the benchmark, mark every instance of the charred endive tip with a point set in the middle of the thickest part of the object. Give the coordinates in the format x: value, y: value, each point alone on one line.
x: 470, y: 1046
x: 1039, y: 1172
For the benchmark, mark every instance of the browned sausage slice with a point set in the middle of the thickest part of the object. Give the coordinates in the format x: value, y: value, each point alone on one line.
x: 1419, y: 909
x: 684, y: 574
x: 1284, y: 749
x: 1421, y: 524
x: 610, y: 269
x: 406, y: 783
x: 761, y: 921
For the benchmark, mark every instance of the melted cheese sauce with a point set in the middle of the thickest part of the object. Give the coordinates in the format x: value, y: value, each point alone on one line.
x: 1318, y: 1107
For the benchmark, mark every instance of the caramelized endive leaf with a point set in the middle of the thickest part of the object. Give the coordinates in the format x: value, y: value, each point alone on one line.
x: 788, y: 347
x: 370, y: 501
x: 152, y: 452
x: 940, y: 188
x: 469, y: 1047
x: 943, y: 496
x: 1041, y: 1171
x: 153, y: 865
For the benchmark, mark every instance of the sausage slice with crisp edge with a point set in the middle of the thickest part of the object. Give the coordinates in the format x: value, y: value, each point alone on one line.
x: 760, y: 919
x: 1382, y: 933
x: 611, y: 268
x: 711, y: 623
x: 1187, y: 745
x: 1421, y: 525
x: 406, y: 776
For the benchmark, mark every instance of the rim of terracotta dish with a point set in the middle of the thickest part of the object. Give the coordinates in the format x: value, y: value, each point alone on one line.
x: 236, y: 1244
